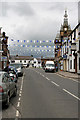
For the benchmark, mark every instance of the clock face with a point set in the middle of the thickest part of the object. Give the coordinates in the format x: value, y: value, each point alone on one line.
x: 65, y: 29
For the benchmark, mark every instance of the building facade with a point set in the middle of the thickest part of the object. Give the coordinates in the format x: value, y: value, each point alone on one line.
x: 60, y: 44
x: 74, y: 50
x: 20, y: 59
x: 4, y: 52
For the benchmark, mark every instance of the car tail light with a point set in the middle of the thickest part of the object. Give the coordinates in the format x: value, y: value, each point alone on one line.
x: 1, y: 89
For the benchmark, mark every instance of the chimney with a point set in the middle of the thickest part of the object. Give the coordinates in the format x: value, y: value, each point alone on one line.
x: 3, y: 34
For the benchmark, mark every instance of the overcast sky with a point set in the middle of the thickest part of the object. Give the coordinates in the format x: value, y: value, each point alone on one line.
x: 35, y: 21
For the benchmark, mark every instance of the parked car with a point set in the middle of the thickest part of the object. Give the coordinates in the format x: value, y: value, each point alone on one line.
x: 8, y: 88
x: 13, y: 70
x: 19, y: 68
x: 49, y: 66
x: 13, y: 77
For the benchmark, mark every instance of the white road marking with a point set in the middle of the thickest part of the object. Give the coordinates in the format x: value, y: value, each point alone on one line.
x: 17, y: 113
x: 54, y: 83
x: 47, y: 78
x: 69, y: 78
x: 71, y: 94
x: 19, y: 98
x: 18, y: 104
x: 74, y: 80
x: 20, y: 95
x: 20, y: 91
x: 43, y: 75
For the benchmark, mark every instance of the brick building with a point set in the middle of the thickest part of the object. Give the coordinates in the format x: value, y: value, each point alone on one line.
x: 4, y: 52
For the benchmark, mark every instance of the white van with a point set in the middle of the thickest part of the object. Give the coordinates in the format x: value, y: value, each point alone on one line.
x: 49, y: 66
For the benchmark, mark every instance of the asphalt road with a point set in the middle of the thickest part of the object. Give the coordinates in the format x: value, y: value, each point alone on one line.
x: 44, y: 95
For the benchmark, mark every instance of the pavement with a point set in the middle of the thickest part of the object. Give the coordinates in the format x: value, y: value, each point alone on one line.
x: 68, y: 74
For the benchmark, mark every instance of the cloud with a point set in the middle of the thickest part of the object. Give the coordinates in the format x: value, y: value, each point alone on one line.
x: 35, y: 21
x: 19, y: 8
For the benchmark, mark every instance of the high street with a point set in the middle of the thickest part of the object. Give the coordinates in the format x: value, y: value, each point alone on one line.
x: 44, y: 95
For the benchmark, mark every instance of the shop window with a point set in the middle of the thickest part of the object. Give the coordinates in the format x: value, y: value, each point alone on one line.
x: 79, y: 63
x: 79, y: 45
x: 70, y: 64
x: 74, y: 63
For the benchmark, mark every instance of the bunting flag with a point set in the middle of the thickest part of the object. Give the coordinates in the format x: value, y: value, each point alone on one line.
x: 12, y: 40
x: 24, y: 41
x: 18, y: 41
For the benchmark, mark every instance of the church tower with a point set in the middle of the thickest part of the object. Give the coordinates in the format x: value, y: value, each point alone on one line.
x: 65, y: 28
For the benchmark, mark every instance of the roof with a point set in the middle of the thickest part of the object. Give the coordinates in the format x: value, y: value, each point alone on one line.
x: 75, y: 28
x: 21, y: 58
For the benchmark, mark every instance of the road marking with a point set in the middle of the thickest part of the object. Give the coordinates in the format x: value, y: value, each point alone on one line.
x: 74, y: 80
x: 19, y: 98
x: 69, y: 78
x: 54, y: 83
x: 71, y: 94
x: 17, y: 113
x: 20, y: 91
x: 20, y: 95
x: 47, y: 78
x: 43, y: 75
x: 18, y: 104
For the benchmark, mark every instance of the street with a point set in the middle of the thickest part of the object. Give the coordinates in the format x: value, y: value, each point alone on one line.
x: 44, y: 95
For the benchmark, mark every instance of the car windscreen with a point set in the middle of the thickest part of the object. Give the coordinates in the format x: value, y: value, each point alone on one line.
x: 50, y: 65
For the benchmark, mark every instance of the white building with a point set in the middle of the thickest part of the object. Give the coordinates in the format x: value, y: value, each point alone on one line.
x: 37, y: 62
x: 74, y: 50
x: 20, y: 59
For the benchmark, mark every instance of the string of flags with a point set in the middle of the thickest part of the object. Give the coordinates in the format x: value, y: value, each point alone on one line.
x: 41, y: 41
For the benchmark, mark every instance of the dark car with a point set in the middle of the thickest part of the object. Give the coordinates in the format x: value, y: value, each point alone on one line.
x: 19, y: 68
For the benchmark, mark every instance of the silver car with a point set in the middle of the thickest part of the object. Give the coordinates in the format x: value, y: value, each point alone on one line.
x: 8, y: 88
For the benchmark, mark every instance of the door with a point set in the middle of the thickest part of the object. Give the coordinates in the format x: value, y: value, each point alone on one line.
x: 75, y: 64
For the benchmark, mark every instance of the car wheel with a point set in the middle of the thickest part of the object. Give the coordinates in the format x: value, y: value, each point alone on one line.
x: 15, y: 92
x: 8, y: 101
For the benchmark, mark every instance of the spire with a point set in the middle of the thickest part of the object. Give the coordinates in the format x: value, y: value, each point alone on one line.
x: 65, y: 14
x: 65, y: 19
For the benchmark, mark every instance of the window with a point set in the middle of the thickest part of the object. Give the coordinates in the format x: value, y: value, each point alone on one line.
x: 79, y: 63
x: 75, y: 34
x: 20, y: 61
x: 71, y: 36
x: 79, y: 45
x: 70, y: 64
x: 25, y: 61
x: 13, y: 61
x: 67, y: 50
x: 74, y: 63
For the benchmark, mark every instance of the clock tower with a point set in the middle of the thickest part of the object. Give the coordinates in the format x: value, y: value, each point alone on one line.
x: 65, y: 28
